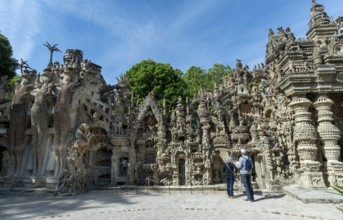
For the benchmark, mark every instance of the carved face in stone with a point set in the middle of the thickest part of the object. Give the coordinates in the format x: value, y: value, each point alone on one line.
x: 67, y: 79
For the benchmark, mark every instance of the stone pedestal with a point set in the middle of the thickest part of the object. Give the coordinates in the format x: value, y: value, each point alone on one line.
x: 310, y: 177
x: 272, y: 185
x: 329, y: 134
x: 33, y: 182
x: 52, y: 184
x: 305, y: 136
x: 9, y: 182
x: 335, y: 172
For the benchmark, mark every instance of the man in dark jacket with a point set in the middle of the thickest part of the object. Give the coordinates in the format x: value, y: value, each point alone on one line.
x: 229, y: 170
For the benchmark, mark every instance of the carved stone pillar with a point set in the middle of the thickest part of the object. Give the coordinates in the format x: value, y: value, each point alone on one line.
x: 134, y: 164
x: 203, y: 116
x: 267, y: 172
x: 305, y: 136
x: 329, y: 134
x: 114, y: 166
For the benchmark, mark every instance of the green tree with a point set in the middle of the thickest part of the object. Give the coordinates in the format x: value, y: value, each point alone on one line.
x: 159, y: 78
x: 196, y: 79
x: 218, y: 72
x: 8, y: 64
x: 13, y: 80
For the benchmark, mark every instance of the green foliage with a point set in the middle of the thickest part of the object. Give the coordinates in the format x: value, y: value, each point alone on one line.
x: 159, y: 78
x: 8, y: 64
x: 13, y: 80
x: 197, y: 78
x: 166, y: 82
x: 340, y: 190
x: 218, y: 72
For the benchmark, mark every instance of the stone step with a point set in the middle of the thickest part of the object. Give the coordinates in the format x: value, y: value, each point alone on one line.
x: 328, y: 195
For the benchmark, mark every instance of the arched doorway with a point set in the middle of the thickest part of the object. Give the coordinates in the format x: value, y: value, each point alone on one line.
x: 182, y: 171
x: 102, y: 166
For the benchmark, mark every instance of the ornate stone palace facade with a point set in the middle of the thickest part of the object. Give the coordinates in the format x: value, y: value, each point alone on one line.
x: 68, y: 129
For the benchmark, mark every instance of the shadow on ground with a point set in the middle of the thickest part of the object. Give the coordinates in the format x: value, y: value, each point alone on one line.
x: 15, y: 205
x: 268, y: 196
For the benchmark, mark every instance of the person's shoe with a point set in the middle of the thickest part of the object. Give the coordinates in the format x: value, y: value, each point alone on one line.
x: 233, y: 197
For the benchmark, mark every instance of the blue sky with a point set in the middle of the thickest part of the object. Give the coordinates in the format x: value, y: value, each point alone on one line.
x: 117, y: 34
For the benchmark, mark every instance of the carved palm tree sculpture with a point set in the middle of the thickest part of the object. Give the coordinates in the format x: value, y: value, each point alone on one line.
x: 52, y: 49
x: 23, y: 64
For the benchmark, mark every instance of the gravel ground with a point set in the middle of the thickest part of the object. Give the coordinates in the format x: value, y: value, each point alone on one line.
x: 152, y: 205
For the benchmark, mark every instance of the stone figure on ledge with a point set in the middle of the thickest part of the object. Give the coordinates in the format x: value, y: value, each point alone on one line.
x: 19, y: 121
x: 39, y: 123
x: 64, y: 109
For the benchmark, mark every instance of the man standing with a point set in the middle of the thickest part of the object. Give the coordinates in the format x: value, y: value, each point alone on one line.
x: 229, y: 170
x: 245, y: 165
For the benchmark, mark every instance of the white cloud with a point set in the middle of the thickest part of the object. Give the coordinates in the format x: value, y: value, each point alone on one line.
x: 105, y: 14
x: 20, y: 22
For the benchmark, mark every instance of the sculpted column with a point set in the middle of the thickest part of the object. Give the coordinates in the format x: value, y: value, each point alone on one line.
x: 305, y: 136
x: 329, y: 134
x: 203, y: 114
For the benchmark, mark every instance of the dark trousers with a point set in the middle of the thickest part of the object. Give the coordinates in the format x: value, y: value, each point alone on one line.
x: 230, y: 180
x: 246, y: 180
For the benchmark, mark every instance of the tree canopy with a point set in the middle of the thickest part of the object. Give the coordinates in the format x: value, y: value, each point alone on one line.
x: 197, y: 78
x: 159, y: 78
x: 218, y: 72
x: 8, y: 64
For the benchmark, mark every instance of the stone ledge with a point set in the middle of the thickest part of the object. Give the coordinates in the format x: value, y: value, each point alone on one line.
x: 328, y: 195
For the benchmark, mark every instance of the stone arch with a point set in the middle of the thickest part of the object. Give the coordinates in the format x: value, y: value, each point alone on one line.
x: 149, y: 103
x: 147, y: 125
x: 176, y: 152
x: 181, y: 161
x: 102, y: 163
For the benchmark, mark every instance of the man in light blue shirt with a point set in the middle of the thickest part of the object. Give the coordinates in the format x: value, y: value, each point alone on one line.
x: 245, y: 166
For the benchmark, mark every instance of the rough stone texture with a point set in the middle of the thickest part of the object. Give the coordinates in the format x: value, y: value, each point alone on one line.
x: 308, y: 196
x: 163, y: 205
x: 69, y: 130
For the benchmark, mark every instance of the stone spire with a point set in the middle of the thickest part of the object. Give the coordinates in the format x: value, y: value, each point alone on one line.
x: 321, y: 25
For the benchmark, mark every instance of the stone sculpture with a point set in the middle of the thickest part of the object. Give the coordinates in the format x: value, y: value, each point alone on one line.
x: 63, y: 117
x: 19, y: 121
x: 39, y: 122
x: 287, y: 112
